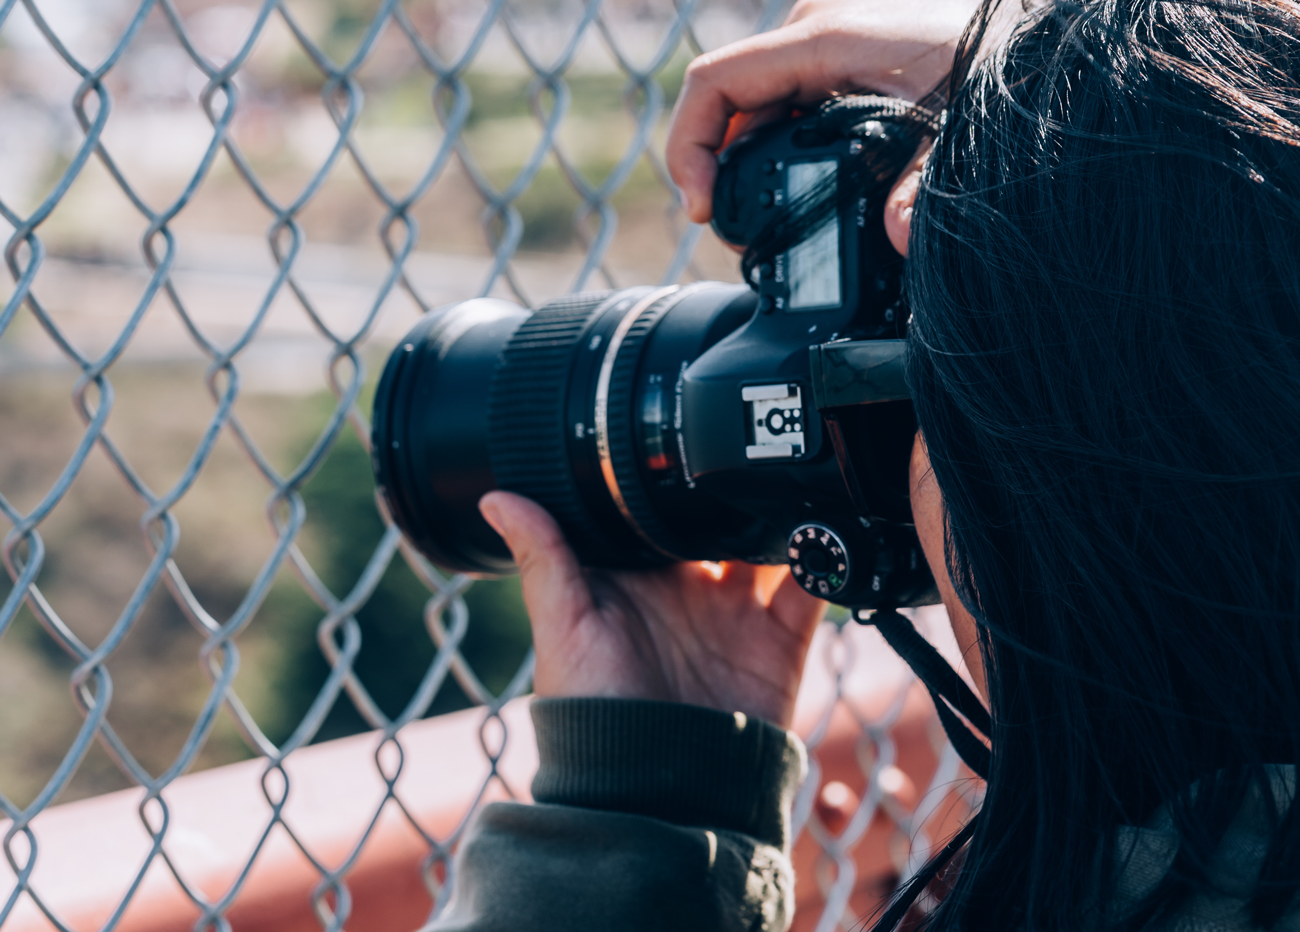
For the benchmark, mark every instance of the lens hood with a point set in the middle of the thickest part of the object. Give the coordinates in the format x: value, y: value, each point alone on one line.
x: 430, y: 442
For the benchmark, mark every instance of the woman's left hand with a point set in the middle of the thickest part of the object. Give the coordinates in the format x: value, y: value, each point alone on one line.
x: 727, y: 636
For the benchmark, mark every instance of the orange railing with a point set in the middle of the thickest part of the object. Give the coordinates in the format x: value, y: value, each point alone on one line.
x: 90, y: 851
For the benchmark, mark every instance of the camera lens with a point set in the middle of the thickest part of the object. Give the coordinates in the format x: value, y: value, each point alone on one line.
x: 576, y: 406
x: 697, y: 422
x: 429, y: 433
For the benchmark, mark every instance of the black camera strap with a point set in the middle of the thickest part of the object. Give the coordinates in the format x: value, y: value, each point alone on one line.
x: 846, y: 114
x: 949, y: 691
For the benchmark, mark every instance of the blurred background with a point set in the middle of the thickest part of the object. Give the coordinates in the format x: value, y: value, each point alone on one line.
x: 95, y: 272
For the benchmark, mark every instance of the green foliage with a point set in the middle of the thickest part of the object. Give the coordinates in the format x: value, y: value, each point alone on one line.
x: 348, y: 23
x: 548, y: 208
x: 341, y: 533
x: 498, y: 96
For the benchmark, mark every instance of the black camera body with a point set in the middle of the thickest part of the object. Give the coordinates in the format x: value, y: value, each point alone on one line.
x: 697, y: 422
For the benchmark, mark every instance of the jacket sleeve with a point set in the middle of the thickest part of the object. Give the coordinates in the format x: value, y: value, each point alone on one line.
x: 648, y: 815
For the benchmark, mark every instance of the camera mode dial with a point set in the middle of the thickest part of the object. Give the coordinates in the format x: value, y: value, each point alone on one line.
x: 819, y: 560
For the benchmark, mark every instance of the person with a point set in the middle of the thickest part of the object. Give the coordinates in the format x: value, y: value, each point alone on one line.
x: 1103, y: 249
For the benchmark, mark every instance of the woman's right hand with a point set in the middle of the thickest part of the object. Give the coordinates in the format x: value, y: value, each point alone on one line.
x: 825, y: 47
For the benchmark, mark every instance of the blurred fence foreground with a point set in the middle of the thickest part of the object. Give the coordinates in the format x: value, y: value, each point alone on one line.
x: 218, y: 217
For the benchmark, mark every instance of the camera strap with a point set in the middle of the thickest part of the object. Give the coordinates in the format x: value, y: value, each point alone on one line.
x: 949, y: 691
x: 846, y: 114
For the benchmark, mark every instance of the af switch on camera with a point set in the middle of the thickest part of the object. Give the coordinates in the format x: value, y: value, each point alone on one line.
x: 819, y: 560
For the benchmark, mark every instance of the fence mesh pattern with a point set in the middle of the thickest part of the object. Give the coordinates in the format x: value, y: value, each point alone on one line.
x: 644, y: 43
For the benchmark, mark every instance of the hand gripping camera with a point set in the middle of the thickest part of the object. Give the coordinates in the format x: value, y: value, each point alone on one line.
x: 766, y: 422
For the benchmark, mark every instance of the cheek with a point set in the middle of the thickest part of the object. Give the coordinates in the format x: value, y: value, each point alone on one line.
x: 898, y: 205
x: 898, y: 211
x: 927, y: 509
x: 927, y: 512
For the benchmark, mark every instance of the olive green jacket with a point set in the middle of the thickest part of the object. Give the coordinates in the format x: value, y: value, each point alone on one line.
x: 655, y: 816
x: 648, y: 815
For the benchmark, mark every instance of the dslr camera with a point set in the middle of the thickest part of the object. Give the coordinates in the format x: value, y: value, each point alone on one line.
x: 767, y: 422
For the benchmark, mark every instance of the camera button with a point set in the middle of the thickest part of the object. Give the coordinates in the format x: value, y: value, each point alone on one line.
x: 819, y: 560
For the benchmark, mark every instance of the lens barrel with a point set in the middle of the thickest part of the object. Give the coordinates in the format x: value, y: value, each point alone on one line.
x: 573, y: 406
x: 429, y: 432
x: 543, y: 424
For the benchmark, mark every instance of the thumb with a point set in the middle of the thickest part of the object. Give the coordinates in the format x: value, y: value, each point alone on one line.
x: 555, y: 590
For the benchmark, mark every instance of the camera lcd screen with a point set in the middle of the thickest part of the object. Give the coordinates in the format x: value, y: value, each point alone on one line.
x: 813, y: 267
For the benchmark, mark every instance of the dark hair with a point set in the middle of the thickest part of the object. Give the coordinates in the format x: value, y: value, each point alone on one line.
x: 1104, y: 272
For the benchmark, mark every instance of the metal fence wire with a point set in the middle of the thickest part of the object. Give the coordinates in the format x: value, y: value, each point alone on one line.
x: 94, y: 56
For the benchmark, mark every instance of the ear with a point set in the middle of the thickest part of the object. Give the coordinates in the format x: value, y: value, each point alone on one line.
x: 898, y: 206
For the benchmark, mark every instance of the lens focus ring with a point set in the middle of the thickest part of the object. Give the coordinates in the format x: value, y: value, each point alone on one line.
x: 527, y: 421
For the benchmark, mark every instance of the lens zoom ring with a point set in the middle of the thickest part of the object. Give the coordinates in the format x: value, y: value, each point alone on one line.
x: 622, y: 425
x: 527, y: 428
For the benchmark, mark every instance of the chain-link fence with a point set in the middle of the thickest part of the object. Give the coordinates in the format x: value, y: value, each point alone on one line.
x: 254, y: 189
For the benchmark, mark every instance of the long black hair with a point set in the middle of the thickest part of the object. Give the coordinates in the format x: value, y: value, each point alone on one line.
x: 1104, y: 273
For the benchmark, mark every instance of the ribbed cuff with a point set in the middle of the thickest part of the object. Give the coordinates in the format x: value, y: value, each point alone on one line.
x: 681, y: 763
